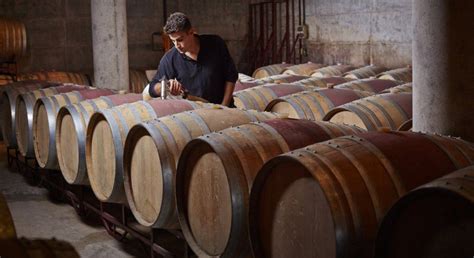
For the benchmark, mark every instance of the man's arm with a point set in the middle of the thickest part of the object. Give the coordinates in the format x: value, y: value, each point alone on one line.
x: 231, y: 75
x: 229, y: 89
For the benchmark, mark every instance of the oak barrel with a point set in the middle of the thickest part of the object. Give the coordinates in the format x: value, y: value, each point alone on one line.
x: 242, y: 85
x: 332, y: 71
x: 216, y: 166
x: 56, y: 76
x: 282, y: 78
x: 374, y: 112
x: 407, y: 87
x: 8, y: 106
x: 105, y: 140
x: 279, y: 78
x: 138, y: 81
x: 268, y: 70
x: 365, y: 72
x: 149, y: 186
x: 24, y: 114
x: 257, y: 98
x: 244, y: 78
x: 12, y: 39
x: 406, y: 126
x: 330, y: 197
x: 70, y: 137
x: 44, y: 122
x: 302, y: 69
x: 313, y: 104
x: 400, y: 74
x: 371, y: 85
x: 434, y: 220
x: 325, y: 82
x: 5, y: 79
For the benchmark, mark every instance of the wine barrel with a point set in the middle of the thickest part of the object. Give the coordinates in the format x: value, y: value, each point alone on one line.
x: 326, y: 82
x: 365, y: 72
x: 302, y: 69
x: 8, y: 106
x: 313, y: 104
x: 44, y: 122
x: 374, y: 112
x: 244, y: 78
x: 5, y: 80
x: 269, y: 70
x: 24, y: 114
x: 149, y: 186
x: 257, y: 98
x: 36, y: 248
x: 406, y: 126
x: 400, y: 74
x: 7, y: 227
x: 70, y: 137
x: 106, y: 134
x: 434, y: 220
x: 54, y: 76
x: 244, y: 81
x: 370, y: 85
x: 138, y: 81
x: 330, y: 197
x: 246, y: 85
x: 228, y: 161
x: 332, y: 71
x: 280, y: 78
x: 407, y: 87
x: 12, y: 39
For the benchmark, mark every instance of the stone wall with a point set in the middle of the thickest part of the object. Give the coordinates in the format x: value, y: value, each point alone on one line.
x: 60, y: 35
x: 360, y: 31
x: 340, y: 31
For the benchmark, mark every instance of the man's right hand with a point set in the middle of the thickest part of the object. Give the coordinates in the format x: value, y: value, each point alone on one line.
x: 176, y: 88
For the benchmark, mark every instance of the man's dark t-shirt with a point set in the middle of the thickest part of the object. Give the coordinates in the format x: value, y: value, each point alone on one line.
x: 205, y: 77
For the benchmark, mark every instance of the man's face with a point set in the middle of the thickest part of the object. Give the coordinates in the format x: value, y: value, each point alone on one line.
x: 182, y: 40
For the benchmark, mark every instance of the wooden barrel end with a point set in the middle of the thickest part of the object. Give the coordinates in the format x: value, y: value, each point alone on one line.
x: 101, y: 155
x: 143, y: 181
x: 206, y: 236
x: 284, y: 201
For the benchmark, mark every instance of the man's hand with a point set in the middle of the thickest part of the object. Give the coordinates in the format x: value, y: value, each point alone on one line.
x: 176, y: 88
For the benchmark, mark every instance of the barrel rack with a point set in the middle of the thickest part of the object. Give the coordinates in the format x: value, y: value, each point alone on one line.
x: 117, y: 219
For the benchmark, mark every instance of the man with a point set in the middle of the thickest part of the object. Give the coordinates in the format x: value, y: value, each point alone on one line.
x: 198, y: 64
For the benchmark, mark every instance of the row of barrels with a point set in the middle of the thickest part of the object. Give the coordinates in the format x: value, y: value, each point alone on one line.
x: 12, y: 247
x: 138, y: 79
x: 322, y: 71
x: 326, y: 76
x: 209, y: 196
x: 185, y: 169
x: 366, y: 103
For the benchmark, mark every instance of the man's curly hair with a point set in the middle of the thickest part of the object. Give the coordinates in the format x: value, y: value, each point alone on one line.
x: 177, y: 22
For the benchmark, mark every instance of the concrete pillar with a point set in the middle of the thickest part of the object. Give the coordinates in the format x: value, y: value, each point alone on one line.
x: 443, y: 67
x: 110, y: 45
